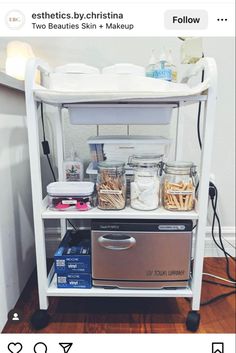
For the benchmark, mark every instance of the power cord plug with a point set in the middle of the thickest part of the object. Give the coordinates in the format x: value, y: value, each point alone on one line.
x: 212, y: 191
x: 46, y: 148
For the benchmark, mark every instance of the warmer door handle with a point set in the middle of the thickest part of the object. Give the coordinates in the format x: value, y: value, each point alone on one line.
x: 116, y: 241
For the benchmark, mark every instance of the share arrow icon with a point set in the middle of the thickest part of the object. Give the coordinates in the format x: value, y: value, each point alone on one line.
x: 66, y: 346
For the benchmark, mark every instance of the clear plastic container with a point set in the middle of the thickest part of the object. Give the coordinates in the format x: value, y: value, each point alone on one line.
x: 145, y: 189
x: 71, y: 196
x: 179, y: 186
x: 111, y: 185
x: 121, y: 147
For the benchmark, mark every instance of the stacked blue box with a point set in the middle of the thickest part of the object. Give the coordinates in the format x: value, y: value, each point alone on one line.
x: 72, y: 260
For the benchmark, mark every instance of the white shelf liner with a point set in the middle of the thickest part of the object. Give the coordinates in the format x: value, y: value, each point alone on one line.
x: 107, y: 88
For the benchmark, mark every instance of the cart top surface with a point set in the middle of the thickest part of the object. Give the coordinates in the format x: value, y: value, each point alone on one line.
x: 71, y: 89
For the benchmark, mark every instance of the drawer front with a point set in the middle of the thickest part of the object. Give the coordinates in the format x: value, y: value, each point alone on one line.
x: 141, y: 256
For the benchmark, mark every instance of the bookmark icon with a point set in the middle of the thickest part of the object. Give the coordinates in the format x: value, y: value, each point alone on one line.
x: 217, y: 347
x: 66, y: 346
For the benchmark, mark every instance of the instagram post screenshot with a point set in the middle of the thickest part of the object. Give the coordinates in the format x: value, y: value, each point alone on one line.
x: 117, y: 174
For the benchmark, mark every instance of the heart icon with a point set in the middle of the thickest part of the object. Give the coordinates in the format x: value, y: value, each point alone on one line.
x: 15, y: 347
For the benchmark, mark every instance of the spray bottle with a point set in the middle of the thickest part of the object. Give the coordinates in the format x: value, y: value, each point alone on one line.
x: 150, y: 69
x: 170, y: 64
x: 73, y: 167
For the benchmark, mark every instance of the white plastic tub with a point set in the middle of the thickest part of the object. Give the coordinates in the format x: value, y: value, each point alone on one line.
x: 71, y: 196
x: 120, y: 114
x: 118, y: 147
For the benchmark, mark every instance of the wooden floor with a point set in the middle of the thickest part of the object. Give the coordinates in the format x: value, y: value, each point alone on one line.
x: 130, y: 315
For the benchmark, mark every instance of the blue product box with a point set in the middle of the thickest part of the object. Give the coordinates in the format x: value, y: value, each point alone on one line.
x: 74, y: 253
x: 74, y: 280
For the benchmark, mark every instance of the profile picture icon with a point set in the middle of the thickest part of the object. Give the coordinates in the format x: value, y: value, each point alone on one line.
x: 15, y: 19
x: 15, y: 316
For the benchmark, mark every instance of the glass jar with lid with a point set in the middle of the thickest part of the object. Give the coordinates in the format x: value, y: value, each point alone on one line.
x: 179, y: 186
x: 145, y: 188
x: 111, y: 185
x: 137, y: 159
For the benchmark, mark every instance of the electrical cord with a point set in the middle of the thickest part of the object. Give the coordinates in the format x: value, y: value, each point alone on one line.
x: 42, y: 118
x: 218, y: 277
x: 199, y: 120
x: 213, y: 193
x: 45, y: 144
x: 199, y: 115
x: 223, y: 249
x: 221, y: 296
x: 218, y: 297
x: 46, y: 151
x: 219, y: 284
x: 50, y: 165
x: 234, y: 247
x: 72, y: 225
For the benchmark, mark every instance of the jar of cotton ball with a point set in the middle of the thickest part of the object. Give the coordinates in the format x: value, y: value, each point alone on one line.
x: 145, y: 189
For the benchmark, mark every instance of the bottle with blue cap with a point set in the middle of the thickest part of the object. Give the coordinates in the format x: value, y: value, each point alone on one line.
x: 163, y: 71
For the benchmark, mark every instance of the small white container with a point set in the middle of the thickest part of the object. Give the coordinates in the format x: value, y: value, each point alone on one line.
x: 71, y: 196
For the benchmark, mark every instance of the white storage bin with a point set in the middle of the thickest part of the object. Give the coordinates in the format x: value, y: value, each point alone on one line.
x: 67, y: 196
x: 123, y: 147
x: 120, y: 114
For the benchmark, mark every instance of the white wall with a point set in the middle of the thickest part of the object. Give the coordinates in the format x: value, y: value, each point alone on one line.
x: 17, y: 256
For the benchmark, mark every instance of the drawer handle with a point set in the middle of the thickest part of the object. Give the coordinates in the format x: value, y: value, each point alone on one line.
x: 116, y: 241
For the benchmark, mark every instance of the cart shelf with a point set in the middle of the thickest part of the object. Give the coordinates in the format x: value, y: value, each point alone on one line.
x: 126, y: 213
x: 166, y: 101
x: 53, y: 291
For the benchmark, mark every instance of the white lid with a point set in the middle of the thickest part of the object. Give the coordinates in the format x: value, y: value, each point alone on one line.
x: 120, y: 139
x: 67, y: 188
x: 124, y: 69
x: 77, y: 68
x: 91, y: 170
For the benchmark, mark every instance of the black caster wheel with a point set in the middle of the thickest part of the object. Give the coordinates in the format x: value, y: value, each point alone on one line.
x: 40, y: 319
x: 193, y: 321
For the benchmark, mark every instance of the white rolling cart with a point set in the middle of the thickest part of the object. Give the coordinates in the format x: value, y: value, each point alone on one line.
x: 118, y: 109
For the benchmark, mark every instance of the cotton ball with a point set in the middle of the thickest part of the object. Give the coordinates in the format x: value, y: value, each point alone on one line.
x: 134, y: 190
